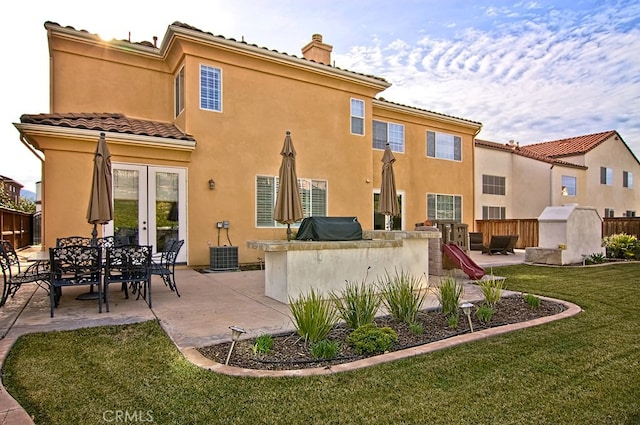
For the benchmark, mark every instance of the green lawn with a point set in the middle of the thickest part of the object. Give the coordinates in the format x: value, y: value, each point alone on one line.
x: 581, y: 370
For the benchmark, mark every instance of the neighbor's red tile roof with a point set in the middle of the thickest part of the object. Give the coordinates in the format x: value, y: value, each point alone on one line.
x: 571, y: 146
x: 525, y: 152
x: 107, y: 122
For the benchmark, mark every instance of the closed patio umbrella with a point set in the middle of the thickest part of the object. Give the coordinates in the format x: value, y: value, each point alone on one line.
x: 388, y: 202
x: 100, y: 210
x: 288, y: 208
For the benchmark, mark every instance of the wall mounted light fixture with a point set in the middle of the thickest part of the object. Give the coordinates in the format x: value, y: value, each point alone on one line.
x: 212, y: 184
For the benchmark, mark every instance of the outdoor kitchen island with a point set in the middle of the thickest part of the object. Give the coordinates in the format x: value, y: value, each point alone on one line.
x: 293, y: 268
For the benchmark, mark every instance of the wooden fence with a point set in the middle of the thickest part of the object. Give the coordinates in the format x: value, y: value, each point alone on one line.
x: 17, y: 227
x: 527, y: 229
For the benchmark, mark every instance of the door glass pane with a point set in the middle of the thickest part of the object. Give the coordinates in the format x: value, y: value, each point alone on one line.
x: 167, y: 208
x: 126, y: 205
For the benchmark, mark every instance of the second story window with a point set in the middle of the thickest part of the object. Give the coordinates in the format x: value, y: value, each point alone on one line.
x: 606, y: 176
x: 179, y: 92
x: 627, y: 179
x: 357, y: 117
x: 210, y: 88
x: 444, y: 146
x: 493, y: 185
x: 388, y: 132
x: 568, y: 186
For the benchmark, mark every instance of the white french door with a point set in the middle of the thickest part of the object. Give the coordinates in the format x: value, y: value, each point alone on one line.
x: 149, y: 205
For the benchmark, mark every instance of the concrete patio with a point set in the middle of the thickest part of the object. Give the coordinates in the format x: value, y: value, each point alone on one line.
x: 209, y: 304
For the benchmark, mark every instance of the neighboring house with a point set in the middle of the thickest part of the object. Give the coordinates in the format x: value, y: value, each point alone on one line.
x: 195, y: 127
x: 594, y: 170
x: 11, y: 188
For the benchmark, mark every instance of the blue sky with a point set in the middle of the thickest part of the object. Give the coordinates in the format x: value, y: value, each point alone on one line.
x: 530, y: 71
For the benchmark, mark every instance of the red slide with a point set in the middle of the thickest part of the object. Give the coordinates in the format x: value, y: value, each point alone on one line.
x: 463, y: 261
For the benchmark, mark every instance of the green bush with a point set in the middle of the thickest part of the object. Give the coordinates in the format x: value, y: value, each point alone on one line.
x: 325, y: 349
x: 263, y: 344
x: 484, y: 313
x: 622, y: 246
x: 313, y: 316
x: 416, y: 328
x: 370, y: 339
x: 356, y: 304
x: 595, y: 258
x: 402, y: 296
x: 492, y: 290
x: 532, y: 300
x: 449, y: 294
x: 453, y: 320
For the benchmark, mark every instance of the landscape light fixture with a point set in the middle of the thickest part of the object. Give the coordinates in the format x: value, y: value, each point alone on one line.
x: 466, y: 308
x: 235, y: 336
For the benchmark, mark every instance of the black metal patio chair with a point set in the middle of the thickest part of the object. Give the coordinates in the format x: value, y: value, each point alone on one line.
x: 14, y: 273
x: 166, y: 265
x: 74, y: 265
x: 129, y: 265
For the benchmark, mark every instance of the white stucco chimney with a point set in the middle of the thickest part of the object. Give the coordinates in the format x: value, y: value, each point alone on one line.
x: 317, y: 51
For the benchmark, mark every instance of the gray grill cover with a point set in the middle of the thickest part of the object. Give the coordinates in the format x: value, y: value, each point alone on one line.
x: 330, y: 229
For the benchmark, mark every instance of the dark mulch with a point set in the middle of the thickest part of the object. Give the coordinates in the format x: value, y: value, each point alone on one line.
x: 290, y: 352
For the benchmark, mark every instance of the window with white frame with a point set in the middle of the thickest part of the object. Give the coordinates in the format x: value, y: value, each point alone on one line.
x: 606, y: 176
x: 493, y: 213
x: 210, y: 88
x: 388, y: 132
x: 568, y: 186
x: 444, y: 207
x: 357, y: 117
x: 179, y: 91
x: 313, y: 196
x: 627, y: 179
x: 493, y: 185
x: 444, y: 146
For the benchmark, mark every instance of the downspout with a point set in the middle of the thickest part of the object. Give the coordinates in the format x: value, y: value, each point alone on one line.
x: 551, y: 185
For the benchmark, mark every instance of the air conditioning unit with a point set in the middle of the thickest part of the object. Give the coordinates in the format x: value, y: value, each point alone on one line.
x: 223, y: 258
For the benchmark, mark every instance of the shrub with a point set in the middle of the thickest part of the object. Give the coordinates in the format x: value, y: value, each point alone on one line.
x: 356, y: 304
x: 313, y: 317
x: 452, y: 321
x: 449, y: 294
x: 595, y: 258
x: 622, y: 246
x: 370, y: 339
x: 416, y: 328
x: 263, y: 344
x: 402, y: 296
x: 532, y: 300
x: 325, y: 349
x: 492, y: 290
x: 484, y: 313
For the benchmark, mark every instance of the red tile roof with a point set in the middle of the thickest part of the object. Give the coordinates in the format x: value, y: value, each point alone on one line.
x: 109, y: 122
x: 571, y: 146
x: 525, y: 152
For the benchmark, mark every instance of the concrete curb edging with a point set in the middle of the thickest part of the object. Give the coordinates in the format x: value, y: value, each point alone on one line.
x: 195, y: 357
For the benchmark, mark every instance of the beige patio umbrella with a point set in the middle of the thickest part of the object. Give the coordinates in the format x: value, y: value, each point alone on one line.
x: 100, y: 210
x: 288, y: 208
x: 388, y: 202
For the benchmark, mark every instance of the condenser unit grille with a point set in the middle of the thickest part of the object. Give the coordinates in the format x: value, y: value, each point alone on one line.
x: 223, y: 258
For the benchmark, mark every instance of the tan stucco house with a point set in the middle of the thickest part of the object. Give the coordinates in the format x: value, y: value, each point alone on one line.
x: 195, y: 126
x: 594, y: 170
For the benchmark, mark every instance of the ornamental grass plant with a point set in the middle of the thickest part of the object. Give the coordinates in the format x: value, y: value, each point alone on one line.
x: 357, y: 304
x: 313, y: 316
x: 402, y: 295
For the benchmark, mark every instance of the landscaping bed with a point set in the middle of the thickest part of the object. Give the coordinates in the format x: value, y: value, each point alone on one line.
x: 290, y: 352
